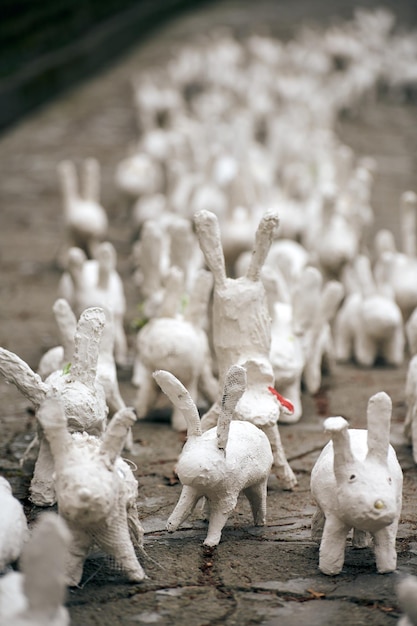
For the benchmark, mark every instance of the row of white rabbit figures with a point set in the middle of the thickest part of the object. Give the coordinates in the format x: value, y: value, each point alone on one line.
x: 241, y: 332
x: 357, y: 484
x: 178, y: 341
x: 96, y: 490
x: 77, y: 385
x: 97, y: 283
x: 369, y: 324
x: 219, y: 464
x: 35, y: 595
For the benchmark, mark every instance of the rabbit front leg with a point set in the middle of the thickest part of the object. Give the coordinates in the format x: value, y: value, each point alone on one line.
x: 393, y: 348
x: 365, y: 348
x: 384, y: 547
x: 256, y: 494
x: 332, y: 546
x: 42, y: 489
x: 78, y: 551
x: 185, y: 506
x: 217, y: 521
x: 317, y: 524
x: 283, y: 470
x: 114, y: 538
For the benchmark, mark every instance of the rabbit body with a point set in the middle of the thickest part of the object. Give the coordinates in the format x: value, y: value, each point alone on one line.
x: 357, y: 484
x: 218, y: 464
x: 13, y: 525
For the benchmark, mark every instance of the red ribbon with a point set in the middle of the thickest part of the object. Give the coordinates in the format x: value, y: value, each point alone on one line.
x: 288, y: 405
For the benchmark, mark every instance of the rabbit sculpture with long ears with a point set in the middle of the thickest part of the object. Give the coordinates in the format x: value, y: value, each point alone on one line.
x: 85, y: 219
x: 35, y: 595
x: 178, y: 342
x: 217, y: 465
x: 241, y: 321
x: 82, y: 395
x: 369, y: 323
x: 96, y: 490
x: 357, y: 484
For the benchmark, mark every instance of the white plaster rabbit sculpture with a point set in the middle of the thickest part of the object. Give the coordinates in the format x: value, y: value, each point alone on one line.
x: 177, y: 342
x: 13, y: 525
x: 410, y: 423
x: 96, y: 490
x: 399, y: 268
x: 302, y: 341
x: 357, y: 484
x: 407, y: 599
x: 369, y: 323
x: 85, y: 219
x: 220, y: 463
x: 35, y: 595
x: 242, y: 325
x: 81, y: 394
x: 96, y: 282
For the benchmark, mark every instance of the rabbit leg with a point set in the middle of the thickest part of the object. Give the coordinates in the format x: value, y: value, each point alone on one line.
x: 361, y: 538
x: 384, y: 547
x: 185, y: 506
x: 365, y: 348
x: 146, y: 395
x: 114, y: 538
x: 317, y: 524
x: 120, y: 343
x: 77, y: 553
x: 283, y: 470
x: 393, y: 348
x: 332, y: 547
x: 256, y: 494
x: 217, y: 521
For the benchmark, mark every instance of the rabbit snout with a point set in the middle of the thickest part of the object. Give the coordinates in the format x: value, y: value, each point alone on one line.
x: 368, y: 506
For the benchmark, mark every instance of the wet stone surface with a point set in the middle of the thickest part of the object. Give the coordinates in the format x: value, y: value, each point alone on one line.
x: 262, y: 576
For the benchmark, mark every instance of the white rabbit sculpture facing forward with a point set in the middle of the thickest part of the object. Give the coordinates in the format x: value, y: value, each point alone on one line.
x: 357, y: 484
x: 218, y: 464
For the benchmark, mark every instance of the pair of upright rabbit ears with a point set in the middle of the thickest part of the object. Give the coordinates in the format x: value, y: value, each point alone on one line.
x: 378, y: 418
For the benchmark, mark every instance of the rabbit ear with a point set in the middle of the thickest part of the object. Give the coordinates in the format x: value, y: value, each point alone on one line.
x: 365, y: 276
x: 174, y: 289
x: 408, y: 205
x: 234, y: 388
x: 331, y: 298
x: 67, y: 325
x: 208, y: 233
x: 180, y: 398
x: 91, y: 180
x: 107, y: 260
x: 182, y: 243
x: 264, y: 237
x: 43, y: 563
x: 337, y: 427
x: 306, y: 299
x: 150, y: 255
x: 68, y: 179
x: 197, y: 308
x: 379, y: 420
x: 17, y: 372
x: 115, y: 435
x: 87, y: 344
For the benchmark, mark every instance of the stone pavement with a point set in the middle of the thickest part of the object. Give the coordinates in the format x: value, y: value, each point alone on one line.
x: 263, y: 576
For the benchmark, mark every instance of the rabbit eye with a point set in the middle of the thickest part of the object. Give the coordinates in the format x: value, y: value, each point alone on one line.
x: 352, y: 477
x: 389, y: 480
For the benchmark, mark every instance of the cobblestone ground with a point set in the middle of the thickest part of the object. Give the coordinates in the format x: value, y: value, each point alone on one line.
x: 255, y: 576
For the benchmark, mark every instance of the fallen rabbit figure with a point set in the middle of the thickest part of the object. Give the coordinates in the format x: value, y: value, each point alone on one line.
x: 35, y: 595
x: 233, y: 457
x: 357, y: 484
x: 96, y: 491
